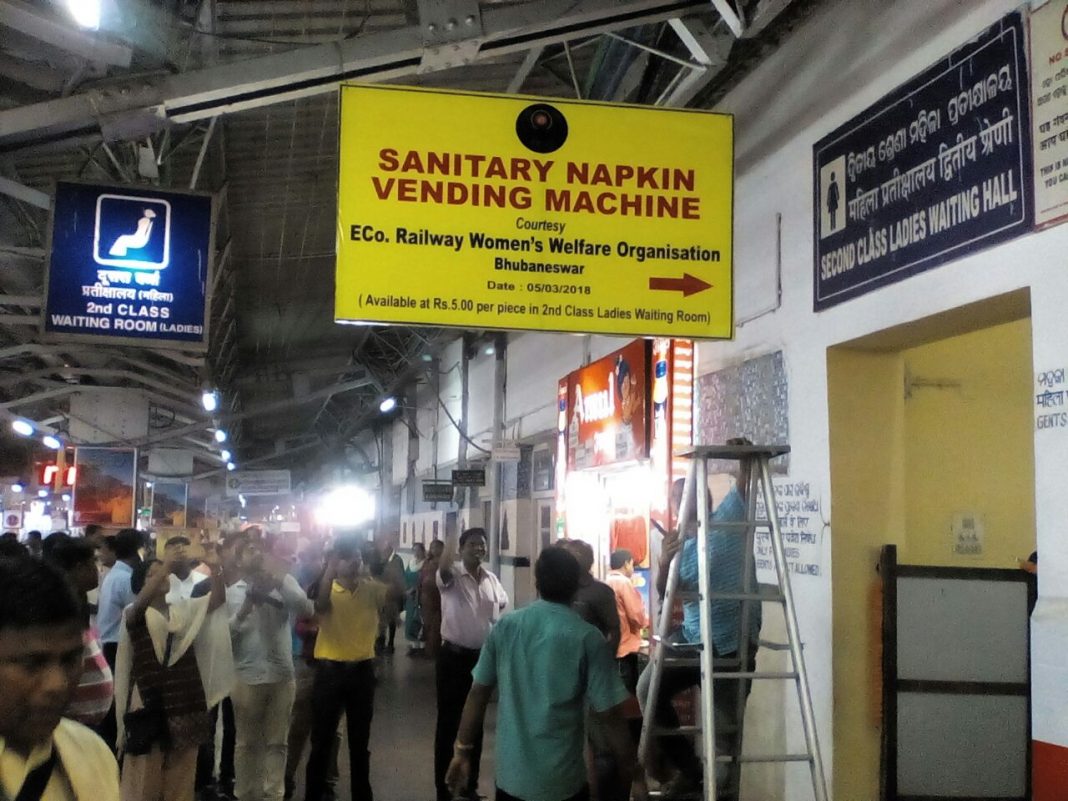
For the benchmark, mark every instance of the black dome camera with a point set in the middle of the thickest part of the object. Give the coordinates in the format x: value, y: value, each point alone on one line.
x: 541, y: 128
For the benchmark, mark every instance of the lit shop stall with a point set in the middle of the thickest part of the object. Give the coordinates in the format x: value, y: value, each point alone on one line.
x: 620, y: 418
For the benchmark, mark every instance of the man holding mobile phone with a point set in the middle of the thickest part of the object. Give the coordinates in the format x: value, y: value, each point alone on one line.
x: 260, y: 604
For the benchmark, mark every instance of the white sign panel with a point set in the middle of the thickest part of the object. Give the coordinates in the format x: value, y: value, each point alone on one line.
x: 257, y: 482
x: 968, y: 534
x: 505, y: 452
x: 1049, y: 92
x: 12, y: 520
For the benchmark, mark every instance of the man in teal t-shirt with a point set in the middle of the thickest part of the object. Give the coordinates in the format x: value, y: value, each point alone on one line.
x: 548, y: 665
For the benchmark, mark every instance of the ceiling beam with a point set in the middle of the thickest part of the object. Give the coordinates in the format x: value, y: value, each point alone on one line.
x: 27, y: 194
x: 64, y: 36
x: 523, y: 72
x: 288, y: 403
x: 302, y: 72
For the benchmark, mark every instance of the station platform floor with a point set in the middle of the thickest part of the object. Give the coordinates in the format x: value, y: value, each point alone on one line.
x: 402, y: 735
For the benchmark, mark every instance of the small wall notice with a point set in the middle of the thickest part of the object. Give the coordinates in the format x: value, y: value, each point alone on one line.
x: 802, y: 523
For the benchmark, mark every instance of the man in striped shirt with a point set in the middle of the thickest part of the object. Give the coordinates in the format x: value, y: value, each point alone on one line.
x: 76, y: 557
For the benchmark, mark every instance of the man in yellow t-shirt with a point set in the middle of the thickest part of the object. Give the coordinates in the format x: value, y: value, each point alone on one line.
x: 348, y: 605
x: 43, y: 755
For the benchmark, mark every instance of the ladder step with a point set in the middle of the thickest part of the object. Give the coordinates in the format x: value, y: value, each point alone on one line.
x: 668, y: 731
x: 738, y: 525
x: 776, y: 646
x: 695, y: 596
x: 682, y: 661
x: 757, y: 674
x: 747, y: 596
x: 766, y: 758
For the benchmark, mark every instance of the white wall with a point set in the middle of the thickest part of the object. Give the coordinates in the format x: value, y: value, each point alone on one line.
x: 846, y: 56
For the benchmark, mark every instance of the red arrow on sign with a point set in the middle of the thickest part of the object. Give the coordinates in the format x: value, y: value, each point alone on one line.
x: 688, y: 284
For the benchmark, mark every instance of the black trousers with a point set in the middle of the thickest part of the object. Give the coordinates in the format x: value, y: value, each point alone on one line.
x: 581, y: 795
x: 347, y: 687
x: 206, y: 752
x: 454, y: 681
x: 679, y: 749
x: 108, y: 728
x: 628, y: 671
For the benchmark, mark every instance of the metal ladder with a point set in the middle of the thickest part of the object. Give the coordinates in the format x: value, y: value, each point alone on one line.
x: 754, y: 462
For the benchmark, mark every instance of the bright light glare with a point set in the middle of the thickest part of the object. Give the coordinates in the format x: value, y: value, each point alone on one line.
x: 388, y: 405
x: 16, y: 488
x: 349, y: 505
x: 51, y: 442
x: 85, y: 12
x: 210, y: 401
x: 66, y: 499
x: 231, y: 466
x: 42, y: 493
x: 225, y: 455
x: 220, y: 436
x: 24, y: 428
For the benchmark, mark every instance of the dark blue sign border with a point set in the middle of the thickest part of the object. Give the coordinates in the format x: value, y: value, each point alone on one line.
x: 176, y: 296
x: 877, y: 126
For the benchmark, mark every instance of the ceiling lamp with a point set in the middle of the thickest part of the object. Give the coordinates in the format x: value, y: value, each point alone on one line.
x: 210, y: 400
x: 24, y: 428
x: 220, y: 436
x: 51, y: 442
x: 225, y: 455
x: 16, y: 488
x: 85, y: 12
x: 231, y: 466
x: 388, y: 405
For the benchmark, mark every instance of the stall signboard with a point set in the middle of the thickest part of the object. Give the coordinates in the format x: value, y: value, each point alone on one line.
x: 1049, y: 94
x: 258, y: 482
x: 437, y: 491
x: 129, y: 265
x: 475, y: 477
x: 104, y: 486
x: 938, y: 169
x: 502, y: 211
x: 12, y: 520
x: 607, y: 418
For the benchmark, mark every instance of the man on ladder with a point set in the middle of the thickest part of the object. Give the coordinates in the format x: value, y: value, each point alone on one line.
x: 731, y: 648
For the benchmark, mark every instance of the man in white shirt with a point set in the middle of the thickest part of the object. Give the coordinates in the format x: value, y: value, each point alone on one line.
x: 472, y: 600
x: 260, y: 605
x: 119, y: 554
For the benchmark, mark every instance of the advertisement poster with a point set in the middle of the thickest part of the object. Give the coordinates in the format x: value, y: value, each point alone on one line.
x: 1049, y: 94
x: 607, y: 409
x: 938, y: 169
x: 170, y: 501
x: 104, y: 489
x: 129, y: 265
x: 533, y: 214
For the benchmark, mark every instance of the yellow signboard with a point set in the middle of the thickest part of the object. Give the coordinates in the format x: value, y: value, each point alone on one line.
x: 494, y: 211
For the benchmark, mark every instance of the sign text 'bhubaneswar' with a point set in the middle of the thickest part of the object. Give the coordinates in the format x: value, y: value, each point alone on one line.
x: 129, y: 265
x: 487, y: 211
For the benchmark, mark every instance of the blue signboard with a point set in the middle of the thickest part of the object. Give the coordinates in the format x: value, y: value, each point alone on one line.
x: 939, y: 168
x: 130, y: 265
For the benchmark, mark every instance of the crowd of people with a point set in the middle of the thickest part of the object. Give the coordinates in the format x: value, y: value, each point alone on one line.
x: 208, y: 678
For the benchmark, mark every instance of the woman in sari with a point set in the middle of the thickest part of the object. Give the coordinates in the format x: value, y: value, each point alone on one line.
x: 413, y: 623
x: 430, y: 600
